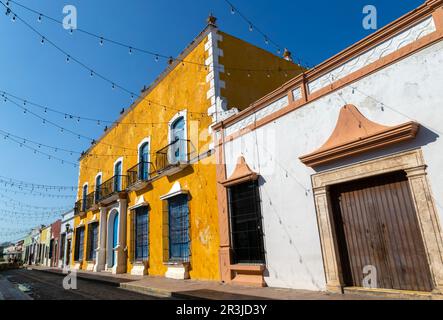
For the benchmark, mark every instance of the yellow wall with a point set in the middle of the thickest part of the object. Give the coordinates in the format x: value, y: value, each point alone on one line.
x: 185, y: 87
x: 239, y: 55
x: 45, y: 235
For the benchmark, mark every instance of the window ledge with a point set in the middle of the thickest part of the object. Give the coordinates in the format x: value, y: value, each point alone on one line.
x: 248, y: 267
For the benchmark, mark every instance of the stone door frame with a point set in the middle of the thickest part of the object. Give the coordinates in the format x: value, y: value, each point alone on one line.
x: 412, y: 162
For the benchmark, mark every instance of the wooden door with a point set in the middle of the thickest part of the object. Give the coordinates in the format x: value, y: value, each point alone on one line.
x: 376, y: 225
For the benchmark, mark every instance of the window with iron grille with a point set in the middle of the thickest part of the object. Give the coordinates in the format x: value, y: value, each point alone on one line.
x: 93, y: 241
x: 62, y: 245
x: 141, y: 234
x: 79, y: 244
x: 178, y: 228
x: 246, y: 224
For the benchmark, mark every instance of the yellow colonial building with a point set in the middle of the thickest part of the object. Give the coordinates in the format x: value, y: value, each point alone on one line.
x: 147, y: 200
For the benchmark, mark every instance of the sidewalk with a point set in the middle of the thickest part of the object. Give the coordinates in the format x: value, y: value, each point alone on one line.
x: 203, y: 290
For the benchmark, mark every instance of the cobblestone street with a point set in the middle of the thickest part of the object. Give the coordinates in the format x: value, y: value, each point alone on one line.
x: 46, y: 286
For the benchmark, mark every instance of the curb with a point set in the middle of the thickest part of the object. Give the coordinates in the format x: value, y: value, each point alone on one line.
x: 80, y: 276
x: 160, y: 293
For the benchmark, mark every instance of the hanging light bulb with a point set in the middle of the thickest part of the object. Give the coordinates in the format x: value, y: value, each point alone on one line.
x: 78, y: 119
x: 68, y: 58
x: 156, y: 58
x: 39, y: 19
x: 46, y: 109
x: 266, y: 41
x: 113, y: 86
x: 251, y: 28
x: 43, y: 40
x: 130, y: 50
x: 278, y: 51
x: 101, y: 41
x: 44, y: 121
x: 71, y: 31
x: 92, y: 73
x: 14, y: 17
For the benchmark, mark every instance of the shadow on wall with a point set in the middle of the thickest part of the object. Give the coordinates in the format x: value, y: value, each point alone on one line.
x: 424, y: 137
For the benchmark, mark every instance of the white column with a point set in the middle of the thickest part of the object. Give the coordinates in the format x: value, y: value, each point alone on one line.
x: 121, y: 250
x: 101, y: 250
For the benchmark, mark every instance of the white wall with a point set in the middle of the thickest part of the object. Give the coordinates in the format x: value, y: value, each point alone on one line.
x: 413, y: 87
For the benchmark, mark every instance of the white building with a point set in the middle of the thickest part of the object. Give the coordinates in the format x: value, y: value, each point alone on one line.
x: 336, y: 175
x: 66, y: 233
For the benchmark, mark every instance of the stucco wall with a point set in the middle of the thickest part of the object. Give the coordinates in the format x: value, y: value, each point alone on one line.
x: 412, y: 87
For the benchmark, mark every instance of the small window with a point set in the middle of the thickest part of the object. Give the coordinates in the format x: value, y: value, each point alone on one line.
x: 79, y: 244
x: 62, y: 245
x: 246, y: 224
x: 178, y: 228
x: 141, y: 234
x: 143, y: 172
x: 178, y: 140
x: 98, y: 182
x: 118, y: 176
x: 93, y: 241
x: 84, y: 195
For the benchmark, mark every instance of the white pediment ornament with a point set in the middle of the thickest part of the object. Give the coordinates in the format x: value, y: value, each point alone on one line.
x: 175, y: 191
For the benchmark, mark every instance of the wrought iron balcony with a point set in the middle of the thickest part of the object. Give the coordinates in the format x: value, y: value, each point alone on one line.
x: 140, y: 175
x: 83, y: 205
x: 112, y: 187
x: 78, y: 207
x: 172, y: 157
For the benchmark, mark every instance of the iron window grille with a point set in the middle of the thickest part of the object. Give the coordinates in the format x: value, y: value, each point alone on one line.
x: 93, y: 241
x: 140, y: 227
x: 246, y: 223
x: 62, y: 245
x: 178, y: 229
x: 79, y: 244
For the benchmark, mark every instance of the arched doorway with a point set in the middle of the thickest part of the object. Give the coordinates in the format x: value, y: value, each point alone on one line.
x: 113, y: 232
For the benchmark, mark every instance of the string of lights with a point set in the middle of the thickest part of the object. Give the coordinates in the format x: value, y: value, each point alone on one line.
x: 252, y: 27
x: 31, y: 213
x: 23, y: 207
x: 6, y: 135
x: 70, y: 116
x: 19, y: 203
x: 132, y: 48
x: 61, y: 128
x: 28, y: 192
x: 50, y: 156
x: 23, y: 184
x: 114, y: 85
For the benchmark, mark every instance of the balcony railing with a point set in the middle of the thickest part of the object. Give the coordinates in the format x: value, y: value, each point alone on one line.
x: 78, y: 207
x: 141, y: 172
x: 83, y: 205
x: 112, y: 186
x: 173, y: 154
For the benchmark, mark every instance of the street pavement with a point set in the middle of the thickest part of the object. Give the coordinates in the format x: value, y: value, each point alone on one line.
x: 47, y: 286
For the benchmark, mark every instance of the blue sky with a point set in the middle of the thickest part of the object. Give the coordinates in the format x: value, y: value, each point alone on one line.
x: 312, y: 30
